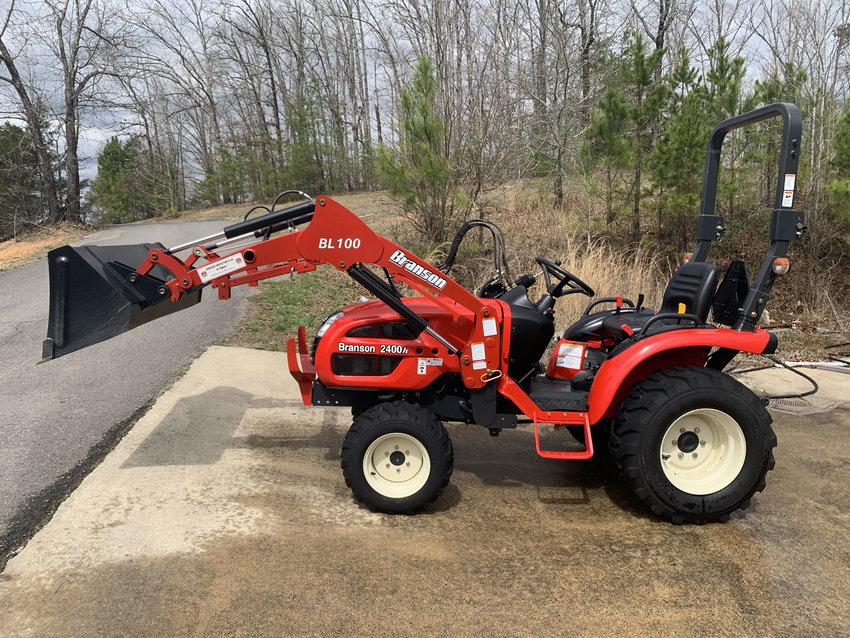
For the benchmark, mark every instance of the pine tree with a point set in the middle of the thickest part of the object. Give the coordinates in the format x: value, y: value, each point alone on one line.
x: 646, y: 99
x: 305, y: 152
x: 728, y: 99
x: 419, y: 172
x: 607, y: 144
x: 20, y: 181
x: 839, y: 186
x: 678, y: 158
x: 121, y: 191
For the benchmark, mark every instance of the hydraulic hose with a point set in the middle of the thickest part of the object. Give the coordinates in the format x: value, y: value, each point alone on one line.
x: 500, y: 259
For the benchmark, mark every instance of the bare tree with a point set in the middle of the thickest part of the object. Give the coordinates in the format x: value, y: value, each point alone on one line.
x: 587, y: 26
x: 34, y: 115
x: 81, y: 36
x: 656, y: 31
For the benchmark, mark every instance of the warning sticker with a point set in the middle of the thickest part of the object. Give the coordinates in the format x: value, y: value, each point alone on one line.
x: 221, y: 267
x: 790, y: 180
x: 570, y: 356
x: 424, y: 362
x: 788, y: 193
x: 478, y: 352
x: 787, y: 199
x: 489, y: 326
x: 478, y: 365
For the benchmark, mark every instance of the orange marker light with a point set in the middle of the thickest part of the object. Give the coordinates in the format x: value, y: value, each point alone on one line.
x: 781, y: 265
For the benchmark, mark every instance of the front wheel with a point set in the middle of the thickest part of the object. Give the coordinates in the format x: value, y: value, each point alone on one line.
x: 693, y: 444
x: 397, y: 457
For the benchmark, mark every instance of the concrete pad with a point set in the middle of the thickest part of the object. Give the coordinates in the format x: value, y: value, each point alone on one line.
x: 224, y: 512
x: 833, y: 388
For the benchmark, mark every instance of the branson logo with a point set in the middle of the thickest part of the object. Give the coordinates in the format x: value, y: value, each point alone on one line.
x: 398, y: 257
x: 352, y: 347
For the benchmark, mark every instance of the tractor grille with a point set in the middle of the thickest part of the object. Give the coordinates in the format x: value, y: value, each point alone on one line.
x: 385, y: 330
x: 358, y: 365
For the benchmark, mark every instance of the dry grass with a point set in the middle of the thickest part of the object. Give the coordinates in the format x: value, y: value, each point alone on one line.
x: 533, y: 228
x: 31, y: 247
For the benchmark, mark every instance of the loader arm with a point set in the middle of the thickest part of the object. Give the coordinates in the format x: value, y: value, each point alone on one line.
x: 334, y: 236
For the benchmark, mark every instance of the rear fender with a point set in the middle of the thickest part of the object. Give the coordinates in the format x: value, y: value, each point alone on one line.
x: 688, y: 347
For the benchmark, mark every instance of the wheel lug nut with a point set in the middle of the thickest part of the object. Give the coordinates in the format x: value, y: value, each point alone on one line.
x: 388, y: 465
x: 681, y: 430
x: 398, y: 469
x: 396, y: 447
x: 407, y: 451
x: 407, y: 464
x: 386, y: 453
x: 696, y: 430
x: 695, y: 455
x: 681, y: 455
x: 702, y: 443
x: 675, y: 443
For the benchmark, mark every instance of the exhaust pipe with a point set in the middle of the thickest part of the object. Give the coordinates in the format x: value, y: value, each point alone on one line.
x: 96, y: 294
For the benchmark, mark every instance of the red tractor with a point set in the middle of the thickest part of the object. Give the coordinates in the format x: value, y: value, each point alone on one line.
x: 690, y: 441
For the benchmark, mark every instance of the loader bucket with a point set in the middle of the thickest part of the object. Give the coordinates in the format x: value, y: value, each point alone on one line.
x: 95, y: 294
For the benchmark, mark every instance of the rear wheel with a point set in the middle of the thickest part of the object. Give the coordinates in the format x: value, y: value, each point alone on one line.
x: 397, y: 457
x: 693, y: 444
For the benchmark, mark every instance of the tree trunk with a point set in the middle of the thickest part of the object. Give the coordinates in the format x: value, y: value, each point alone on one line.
x: 32, y: 115
x: 588, y: 37
x: 72, y: 162
x: 559, y: 177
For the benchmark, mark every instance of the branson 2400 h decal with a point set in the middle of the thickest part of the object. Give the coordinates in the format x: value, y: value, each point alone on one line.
x: 386, y: 348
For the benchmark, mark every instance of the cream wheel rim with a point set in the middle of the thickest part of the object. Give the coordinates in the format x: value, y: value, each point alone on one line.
x: 703, y: 451
x: 396, y: 465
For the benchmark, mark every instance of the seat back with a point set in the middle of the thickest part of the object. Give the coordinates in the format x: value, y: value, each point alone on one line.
x: 691, y: 286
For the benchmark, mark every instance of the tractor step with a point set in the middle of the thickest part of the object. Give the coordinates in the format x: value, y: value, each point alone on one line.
x: 557, y: 395
x: 582, y: 419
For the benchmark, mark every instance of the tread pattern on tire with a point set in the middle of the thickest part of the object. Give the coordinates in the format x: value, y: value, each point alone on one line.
x: 414, y: 420
x: 634, y: 419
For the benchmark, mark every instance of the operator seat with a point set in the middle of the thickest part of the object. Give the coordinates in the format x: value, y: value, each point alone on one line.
x: 692, y: 284
x: 690, y: 291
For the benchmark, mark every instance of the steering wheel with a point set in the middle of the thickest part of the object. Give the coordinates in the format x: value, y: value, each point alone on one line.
x: 553, y: 271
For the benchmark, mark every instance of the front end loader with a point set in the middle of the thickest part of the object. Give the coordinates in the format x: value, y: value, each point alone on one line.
x: 646, y: 386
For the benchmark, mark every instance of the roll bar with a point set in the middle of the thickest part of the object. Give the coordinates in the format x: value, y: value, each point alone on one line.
x: 787, y: 224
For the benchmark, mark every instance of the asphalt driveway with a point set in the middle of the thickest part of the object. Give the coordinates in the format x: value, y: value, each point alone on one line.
x: 58, y: 417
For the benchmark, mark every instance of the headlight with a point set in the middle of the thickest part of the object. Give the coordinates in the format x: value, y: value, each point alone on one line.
x: 328, y: 323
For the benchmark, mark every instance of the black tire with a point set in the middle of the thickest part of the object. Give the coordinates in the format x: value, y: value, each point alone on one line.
x: 736, y: 443
x: 397, y: 458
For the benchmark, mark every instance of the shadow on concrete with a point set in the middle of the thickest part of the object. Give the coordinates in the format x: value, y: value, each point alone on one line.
x: 512, y: 460
x: 327, y: 437
x: 200, y: 428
